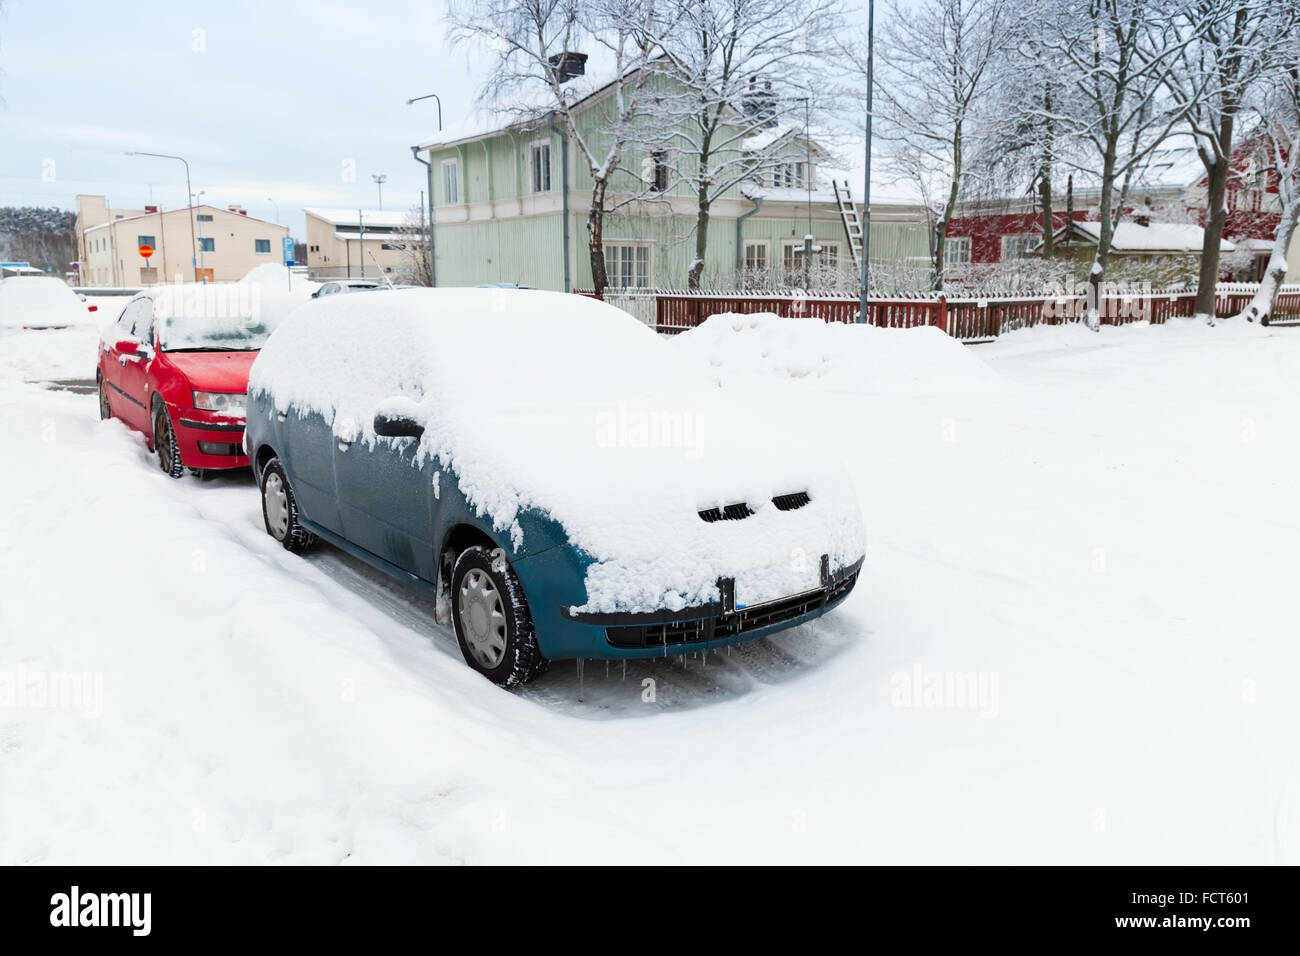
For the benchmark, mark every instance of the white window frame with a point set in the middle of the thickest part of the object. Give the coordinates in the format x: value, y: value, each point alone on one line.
x: 951, y: 242
x: 451, y: 187
x: 761, y: 244
x: 829, y: 247
x: 615, y: 279
x: 539, y: 184
x: 1027, y: 238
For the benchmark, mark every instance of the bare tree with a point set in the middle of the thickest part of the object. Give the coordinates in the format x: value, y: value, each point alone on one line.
x: 937, y: 61
x: 1278, y: 111
x: 529, y: 42
x: 1119, y: 55
x: 740, y: 65
x: 410, y: 242
x: 1236, y: 43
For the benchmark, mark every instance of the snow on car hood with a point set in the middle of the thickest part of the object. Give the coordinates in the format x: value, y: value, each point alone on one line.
x: 567, y: 405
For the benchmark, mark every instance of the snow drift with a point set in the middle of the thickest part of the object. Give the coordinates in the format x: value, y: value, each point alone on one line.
x: 832, y: 354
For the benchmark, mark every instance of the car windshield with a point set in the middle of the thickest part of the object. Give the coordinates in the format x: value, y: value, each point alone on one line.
x: 188, y: 333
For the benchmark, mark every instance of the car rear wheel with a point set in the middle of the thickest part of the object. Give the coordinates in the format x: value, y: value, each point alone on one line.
x: 164, y: 443
x: 280, y: 510
x: 490, y: 614
x: 105, y: 411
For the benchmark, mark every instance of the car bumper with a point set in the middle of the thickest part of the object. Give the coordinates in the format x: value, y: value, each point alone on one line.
x: 661, y: 633
x: 210, y: 441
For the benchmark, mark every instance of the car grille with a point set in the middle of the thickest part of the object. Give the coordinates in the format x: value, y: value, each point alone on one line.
x: 729, y: 513
x: 744, y: 620
x: 791, y: 502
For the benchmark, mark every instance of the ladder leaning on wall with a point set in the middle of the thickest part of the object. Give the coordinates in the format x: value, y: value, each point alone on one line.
x: 849, y: 216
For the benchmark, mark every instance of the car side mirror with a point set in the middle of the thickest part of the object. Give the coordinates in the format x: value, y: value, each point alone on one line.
x: 127, y: 347
x: 397, y: 426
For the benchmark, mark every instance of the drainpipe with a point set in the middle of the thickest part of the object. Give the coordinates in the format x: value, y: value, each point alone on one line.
x: 428, y: 169
x: 564, y: 195
x: 740, y: 245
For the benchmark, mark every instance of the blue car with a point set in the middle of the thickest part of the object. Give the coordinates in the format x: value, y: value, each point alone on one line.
x: 561, y: 481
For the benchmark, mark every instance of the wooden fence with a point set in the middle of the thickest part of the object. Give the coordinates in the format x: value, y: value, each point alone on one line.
x: 969, y: 319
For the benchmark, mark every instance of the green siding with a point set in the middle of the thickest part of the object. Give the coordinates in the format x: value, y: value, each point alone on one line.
x: 528, y: 251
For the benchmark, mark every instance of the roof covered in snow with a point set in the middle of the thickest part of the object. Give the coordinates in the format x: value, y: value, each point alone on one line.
x: 1157, y: 237
x: 349, y: 217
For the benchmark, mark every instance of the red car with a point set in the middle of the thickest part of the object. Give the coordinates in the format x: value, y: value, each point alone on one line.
x: 181, y: 381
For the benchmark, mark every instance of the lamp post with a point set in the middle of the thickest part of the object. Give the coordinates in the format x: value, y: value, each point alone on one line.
x: 198, y: 201
x: 194, y: 260
x: 277, y: 209
x: 866, y: 185
x: 428, y: 172
x: 380, y: 179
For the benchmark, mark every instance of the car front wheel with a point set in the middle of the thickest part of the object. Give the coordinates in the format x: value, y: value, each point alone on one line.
x: 280, y: 510
x: 105, y: 411
x: 490, y: 614
x: 164, y: 443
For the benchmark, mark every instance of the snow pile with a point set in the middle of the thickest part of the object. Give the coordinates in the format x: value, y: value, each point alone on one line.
x: 567, y: 405
x: 746, y: 349
x: 39, y: 302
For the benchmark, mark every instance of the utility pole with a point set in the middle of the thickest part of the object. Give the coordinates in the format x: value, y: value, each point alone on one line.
x: 866, y: 186
x: 361, y: 244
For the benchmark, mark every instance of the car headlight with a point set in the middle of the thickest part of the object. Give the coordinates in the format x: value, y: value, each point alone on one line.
x: 224, y: 403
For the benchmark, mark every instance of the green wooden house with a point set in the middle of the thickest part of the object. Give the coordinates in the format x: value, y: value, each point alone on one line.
x: 510, y: 195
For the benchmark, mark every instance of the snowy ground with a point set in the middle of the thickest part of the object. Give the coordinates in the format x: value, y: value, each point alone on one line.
x: 1100, y: 530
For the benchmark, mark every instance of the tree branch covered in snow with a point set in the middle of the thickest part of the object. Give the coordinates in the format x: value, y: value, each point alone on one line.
x: 527, y: 41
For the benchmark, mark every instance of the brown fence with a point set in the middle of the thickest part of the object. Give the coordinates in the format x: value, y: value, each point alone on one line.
x: 969, y: 319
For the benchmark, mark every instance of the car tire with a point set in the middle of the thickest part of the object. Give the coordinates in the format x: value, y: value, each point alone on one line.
x: 280, y: 510
x: 490, y: 614
x: 164, y: 443
x: 105, y: 410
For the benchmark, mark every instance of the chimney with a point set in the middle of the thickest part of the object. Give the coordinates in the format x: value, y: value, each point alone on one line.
x: 567, y: 65
x: 760, y: 104
x: 150, y: 210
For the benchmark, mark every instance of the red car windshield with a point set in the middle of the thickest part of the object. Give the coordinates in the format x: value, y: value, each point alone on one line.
x: 212, y: 334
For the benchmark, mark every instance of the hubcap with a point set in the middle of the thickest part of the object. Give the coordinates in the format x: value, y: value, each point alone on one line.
x: 482, y: 618
x: 277, y: 506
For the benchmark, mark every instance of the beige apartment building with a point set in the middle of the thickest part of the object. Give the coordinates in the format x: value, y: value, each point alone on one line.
x: 344, y: 243
x: 226, y: 243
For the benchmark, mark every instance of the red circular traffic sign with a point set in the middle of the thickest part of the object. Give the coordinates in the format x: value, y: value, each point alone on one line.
x: 146, y: 251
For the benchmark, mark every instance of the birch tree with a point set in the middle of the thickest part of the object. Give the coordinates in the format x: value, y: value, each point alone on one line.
x: 1277, y: 109
x: 1235, y: 45
x: 936, y: 64
x: 526, y: 42
x: 728, y: 55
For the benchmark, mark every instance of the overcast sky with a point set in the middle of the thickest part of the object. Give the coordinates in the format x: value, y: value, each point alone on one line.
x: 300, y: 103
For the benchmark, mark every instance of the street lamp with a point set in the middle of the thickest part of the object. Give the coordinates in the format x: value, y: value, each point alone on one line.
x: 380, y: 179
x: 866, y: 185
x: 194, y: 260
x: 277, y: 209
x: 198, y: 201
x: 428, y: 172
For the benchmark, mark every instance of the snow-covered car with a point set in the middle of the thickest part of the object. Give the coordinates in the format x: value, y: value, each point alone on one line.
x: 175, y: 368
x: 41, y: 302
x: 544, y: 468
x: 341, y: 286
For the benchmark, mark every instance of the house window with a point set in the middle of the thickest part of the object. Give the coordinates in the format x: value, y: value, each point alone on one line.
x: 450, y: 181
x: 145, y: 241
x: 831, y: 254
x: 790, y: 176
x: 207, y: 244
x: 204, y: 217
x: 1013, y: 247
x: 262, y: 246
x: 541, y: 167
x: 956, y: 251
x: 627, y: 265
x: 756, y: 256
